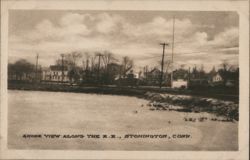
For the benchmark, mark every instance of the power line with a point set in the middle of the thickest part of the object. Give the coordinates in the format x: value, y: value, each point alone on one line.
x: 209, y: 50
x: 98, y: 69
x: 150, y: 58
x: 62, y: 55
x: 184, y: 53
x: 37, y: 56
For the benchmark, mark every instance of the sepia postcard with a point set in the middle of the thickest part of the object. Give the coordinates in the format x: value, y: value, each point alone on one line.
x: 124, y: 79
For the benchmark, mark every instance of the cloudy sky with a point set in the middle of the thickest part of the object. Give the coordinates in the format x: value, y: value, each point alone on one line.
x: 201, y: 38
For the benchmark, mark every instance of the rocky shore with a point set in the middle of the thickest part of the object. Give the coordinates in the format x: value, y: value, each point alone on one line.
x: 185, y: 103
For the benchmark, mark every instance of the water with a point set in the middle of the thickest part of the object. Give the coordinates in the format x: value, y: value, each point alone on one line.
x: 40, y: 113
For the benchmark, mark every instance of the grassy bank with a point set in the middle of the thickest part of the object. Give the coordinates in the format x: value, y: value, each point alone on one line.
x: 77, y: 89
x: 226, y: 94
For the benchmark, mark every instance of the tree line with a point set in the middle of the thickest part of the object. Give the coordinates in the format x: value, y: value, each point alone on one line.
x: 98, y: 67
x: 104, y: 68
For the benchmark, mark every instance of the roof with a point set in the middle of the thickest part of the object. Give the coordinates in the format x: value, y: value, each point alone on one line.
x: 154, y: 70
x: 217, y: 74
x: 58, y: 68
x: 45, y: 69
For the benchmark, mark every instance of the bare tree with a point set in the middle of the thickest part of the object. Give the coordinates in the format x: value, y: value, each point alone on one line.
x: 86, y: 60
x: 76, y: 56
x: 168, y: 64
x: 127, y: 64
x: 226, y: 66
x: 108, y: 58
x: 227, y: 71
x: 93, y: 65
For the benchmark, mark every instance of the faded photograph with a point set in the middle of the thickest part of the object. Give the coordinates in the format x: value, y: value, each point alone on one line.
x: 123, y: 80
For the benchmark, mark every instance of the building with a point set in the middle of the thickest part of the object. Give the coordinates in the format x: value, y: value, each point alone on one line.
x: 217, y: 78
x: 153, y: 77
x: 55, y: 73
x: 180, y: 74
x: 180, y: 83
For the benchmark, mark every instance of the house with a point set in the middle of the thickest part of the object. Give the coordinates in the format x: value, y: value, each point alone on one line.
x: 55, y: 73
x: 180, y: 74
x: 138, y: 75
x: 180, y: 83
x: 217, y: 78
x: 153, y: 77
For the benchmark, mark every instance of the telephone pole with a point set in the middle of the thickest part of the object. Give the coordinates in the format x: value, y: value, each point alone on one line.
x: 87, y: 65
x: 162, y: 62
x: 62, y: 55
x: 172, y: 68
x: 98, y: 69
x: 37, y: 56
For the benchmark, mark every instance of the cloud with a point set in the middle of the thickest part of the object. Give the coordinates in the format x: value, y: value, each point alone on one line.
x: 107, y: 23
x: 73, y: 19
x: 74, y: 24
x: 70, y: 25
x: 198, y: 42
x: 42, y: 31
x: 106, y: 31
x: 228, y: 38
x: 160, y: 27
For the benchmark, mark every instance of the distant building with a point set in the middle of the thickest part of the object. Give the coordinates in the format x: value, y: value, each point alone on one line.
x: 138, y: 75
x: 180, y: 83
x: 153, y: 77
x: 180, y: 74
x: 55, y: 73
x: 217, y: 78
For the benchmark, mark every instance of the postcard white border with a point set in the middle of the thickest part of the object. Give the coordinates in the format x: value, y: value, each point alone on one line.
x: 239, y: 6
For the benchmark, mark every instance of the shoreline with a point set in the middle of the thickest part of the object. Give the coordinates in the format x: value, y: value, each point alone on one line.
x: 123, y: 90
x: 158, y: 99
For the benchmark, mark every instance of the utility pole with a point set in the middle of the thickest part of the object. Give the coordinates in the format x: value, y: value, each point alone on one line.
x: 146, y: 71
x: 37, y: 56
x: 92, y: 63
x: 98, y: 69
x: 188, y: 75
x: 172, y: 68
x: 87, y: 70
x: 162, y: 62
x: 87, y: 65
x: 62, y: 55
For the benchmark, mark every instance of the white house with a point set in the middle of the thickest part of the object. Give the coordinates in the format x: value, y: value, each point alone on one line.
x: 180, y: 83
x: 217, y: 78
x: 55, y: 73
